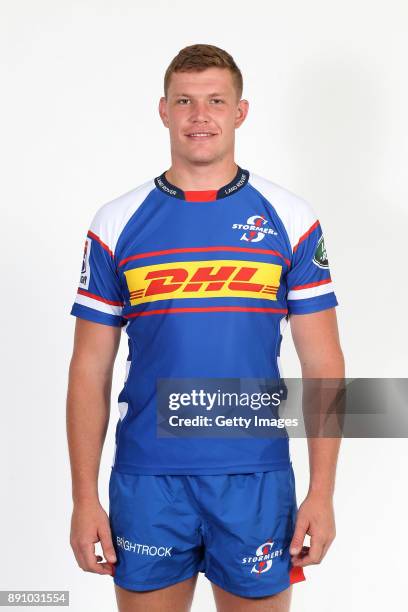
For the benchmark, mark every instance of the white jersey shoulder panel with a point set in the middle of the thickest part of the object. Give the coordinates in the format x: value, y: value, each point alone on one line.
x: 111, y: 218
x: 295, y: 212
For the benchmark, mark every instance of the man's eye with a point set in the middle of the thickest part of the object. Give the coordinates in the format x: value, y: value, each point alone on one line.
x: 217, y: 100
x: 183, y: 100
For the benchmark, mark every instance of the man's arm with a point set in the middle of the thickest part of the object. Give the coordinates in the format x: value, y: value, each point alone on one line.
x: 88, y: 408
x: 317, y: 343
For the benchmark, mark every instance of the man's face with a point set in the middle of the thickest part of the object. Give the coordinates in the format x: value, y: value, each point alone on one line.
x: 202, y: 111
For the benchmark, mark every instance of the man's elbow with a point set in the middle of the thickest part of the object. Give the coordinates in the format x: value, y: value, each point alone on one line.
x: 324, y: 364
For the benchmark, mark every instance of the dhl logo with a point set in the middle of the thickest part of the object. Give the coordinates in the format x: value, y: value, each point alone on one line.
x: 203, y: 279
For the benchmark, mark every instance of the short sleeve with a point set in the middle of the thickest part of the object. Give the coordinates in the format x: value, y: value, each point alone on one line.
x: 309, y: 284
x: 99, y: 297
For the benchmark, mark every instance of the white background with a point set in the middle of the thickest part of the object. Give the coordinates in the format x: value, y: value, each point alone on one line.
x: 328, y: 96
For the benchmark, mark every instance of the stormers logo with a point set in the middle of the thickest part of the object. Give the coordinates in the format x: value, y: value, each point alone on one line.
x: 256, y: 226
x: 320, y: 256
x: 203, y: 279
x: 263, y: 558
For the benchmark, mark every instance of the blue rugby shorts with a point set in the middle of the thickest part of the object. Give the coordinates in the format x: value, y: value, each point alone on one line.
x: 235, y: 528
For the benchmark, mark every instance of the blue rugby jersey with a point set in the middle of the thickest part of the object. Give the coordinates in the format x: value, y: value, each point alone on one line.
x: 203, y: 282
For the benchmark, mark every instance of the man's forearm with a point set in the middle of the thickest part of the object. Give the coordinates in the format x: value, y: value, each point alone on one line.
x: 88, y: 406
x: 323, y: 451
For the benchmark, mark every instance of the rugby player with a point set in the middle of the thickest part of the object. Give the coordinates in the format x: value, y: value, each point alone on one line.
x: 202, y: 266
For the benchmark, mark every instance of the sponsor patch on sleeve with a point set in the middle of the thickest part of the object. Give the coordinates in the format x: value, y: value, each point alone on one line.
x: 86, y: 269
x: 320, y: 256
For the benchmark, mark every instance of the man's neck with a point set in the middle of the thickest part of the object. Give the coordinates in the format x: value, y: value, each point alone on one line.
x: 200, y: 177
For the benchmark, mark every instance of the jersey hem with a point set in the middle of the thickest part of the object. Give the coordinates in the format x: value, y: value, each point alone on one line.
x: 124, y: 468
x: 89, y: 314
x: 314, y: 304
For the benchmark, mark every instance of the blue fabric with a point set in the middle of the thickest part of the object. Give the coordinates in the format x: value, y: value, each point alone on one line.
x: 90, y: 314
x: 155, y: 272
x: 236, y: 529
x: 313, y: 304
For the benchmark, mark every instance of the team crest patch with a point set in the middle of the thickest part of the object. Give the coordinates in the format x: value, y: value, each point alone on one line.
x: 320, y: 256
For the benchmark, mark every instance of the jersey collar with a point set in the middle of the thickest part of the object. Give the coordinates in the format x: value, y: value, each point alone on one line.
x: 238, y: 182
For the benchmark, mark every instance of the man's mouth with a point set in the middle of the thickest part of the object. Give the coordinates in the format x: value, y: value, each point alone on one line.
x: 200, y: 135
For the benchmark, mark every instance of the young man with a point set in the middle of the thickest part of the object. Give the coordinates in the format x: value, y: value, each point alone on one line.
x: 203, y: 266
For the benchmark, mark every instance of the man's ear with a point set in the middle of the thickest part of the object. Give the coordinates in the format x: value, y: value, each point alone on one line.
x: 242, y: 111
x: 163, y: 111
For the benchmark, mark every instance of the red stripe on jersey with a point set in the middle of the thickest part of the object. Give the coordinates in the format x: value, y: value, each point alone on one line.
x: 296, y: 574
x: 201, y: 196
x: 103, y: 245
x: 203, y: 250
x: 306, y: 234
x: 99, y: 298
x: 308, y: 285
x: 208, y: 309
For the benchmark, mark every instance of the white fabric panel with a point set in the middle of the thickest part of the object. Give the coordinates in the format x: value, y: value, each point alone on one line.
x: 296, y: 213
x: 301, y: 294
x: 114, y: 455
x: 128, y: 362
x: 123, y: 408
x: 282, y: 326
x: 111, y: 218
x: 97, y: 304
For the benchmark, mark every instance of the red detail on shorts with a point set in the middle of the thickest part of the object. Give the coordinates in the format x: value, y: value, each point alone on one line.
x: 296, y: 574
x: 201, y: 196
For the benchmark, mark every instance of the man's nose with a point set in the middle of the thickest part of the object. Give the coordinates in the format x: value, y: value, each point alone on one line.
x: 199, y: 111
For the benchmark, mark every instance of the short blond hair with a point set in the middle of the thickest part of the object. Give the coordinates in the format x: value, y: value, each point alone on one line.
x: 198, y: 58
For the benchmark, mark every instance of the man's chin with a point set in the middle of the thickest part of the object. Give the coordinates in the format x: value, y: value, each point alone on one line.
x: 203, y: 158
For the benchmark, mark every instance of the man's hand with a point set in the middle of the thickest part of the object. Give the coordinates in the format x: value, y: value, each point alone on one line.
x: 315, y: 518
x: 89, y: 525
